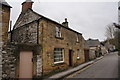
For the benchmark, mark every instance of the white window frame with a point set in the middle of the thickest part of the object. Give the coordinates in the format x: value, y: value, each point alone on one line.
x: 58, y: 32
x: 62, y: 55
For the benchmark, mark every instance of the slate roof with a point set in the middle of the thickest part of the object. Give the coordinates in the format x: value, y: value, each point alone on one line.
x: 41, y: 16
x: 3, y: 2
x: 85, y: 45
x: 93, y: 42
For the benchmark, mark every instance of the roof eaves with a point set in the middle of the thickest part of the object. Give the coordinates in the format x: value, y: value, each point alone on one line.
x: 5, y: 3
x: 57, y: 23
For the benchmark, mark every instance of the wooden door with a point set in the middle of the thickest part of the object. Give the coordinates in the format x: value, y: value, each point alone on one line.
x: 25, y: 66
x: 86, y: 53
x: 70, y: 57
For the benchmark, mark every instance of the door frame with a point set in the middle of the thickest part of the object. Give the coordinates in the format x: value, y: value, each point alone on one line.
x: 32, y: 61
x: 36, y: 49
x: 70, y: 57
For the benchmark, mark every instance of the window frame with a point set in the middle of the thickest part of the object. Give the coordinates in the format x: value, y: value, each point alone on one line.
x: 58, y: 32
x: 62, y: 55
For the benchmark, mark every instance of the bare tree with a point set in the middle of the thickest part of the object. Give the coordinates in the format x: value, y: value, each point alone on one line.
x: 110, y: 32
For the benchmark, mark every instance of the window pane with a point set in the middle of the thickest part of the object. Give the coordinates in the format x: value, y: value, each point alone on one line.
x: 58, y: 54
x: 58, y: 33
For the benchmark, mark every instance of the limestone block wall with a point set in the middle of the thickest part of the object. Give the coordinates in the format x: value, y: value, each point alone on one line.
x: 92, y: 54
x: 25, y: 18
x: 8, y: 61
x: 68, y: 41
x: 5, y: 22
x: 1, y: 41
x: 25, y: 34
x: 4, y: 25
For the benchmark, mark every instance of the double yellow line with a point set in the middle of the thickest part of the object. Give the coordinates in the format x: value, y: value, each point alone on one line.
x: 72, y: 75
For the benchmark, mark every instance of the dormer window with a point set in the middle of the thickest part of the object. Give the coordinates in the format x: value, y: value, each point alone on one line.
x: 58, y: 32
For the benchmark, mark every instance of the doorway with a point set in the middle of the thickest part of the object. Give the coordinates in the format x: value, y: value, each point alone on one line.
x: 70, y: 57
x: 26, y: 64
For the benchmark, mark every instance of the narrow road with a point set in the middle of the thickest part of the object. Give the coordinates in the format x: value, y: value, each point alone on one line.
x: 107, y: 67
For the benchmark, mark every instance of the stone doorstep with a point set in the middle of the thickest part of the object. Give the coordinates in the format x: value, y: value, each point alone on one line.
x: 64, y: 73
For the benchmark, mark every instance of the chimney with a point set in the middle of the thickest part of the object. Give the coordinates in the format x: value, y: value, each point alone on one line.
x: 65, y: 23
x: 27, y: 5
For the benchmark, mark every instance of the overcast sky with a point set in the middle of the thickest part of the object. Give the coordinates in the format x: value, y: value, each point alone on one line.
x: 89, y: 18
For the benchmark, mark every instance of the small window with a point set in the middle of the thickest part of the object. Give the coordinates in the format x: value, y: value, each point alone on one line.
x: 77, y: 38
x: 58, y: 32
x: 78, y: 54
x: 58, y: 55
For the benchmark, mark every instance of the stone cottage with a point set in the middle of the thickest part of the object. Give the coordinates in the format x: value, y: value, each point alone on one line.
x: 42, y: 46
x: 94, y: 48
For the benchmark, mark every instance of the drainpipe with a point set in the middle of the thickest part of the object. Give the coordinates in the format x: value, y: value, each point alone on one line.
x: 38, y: 31
x: 10, y: 31
x: 42, y: 47
x: 41, y: 41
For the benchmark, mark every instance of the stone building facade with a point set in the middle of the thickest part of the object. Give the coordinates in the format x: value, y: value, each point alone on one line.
x: 4, y: 26
x: 53, y: 46
x: 4, y: 20
x: 94, y: 48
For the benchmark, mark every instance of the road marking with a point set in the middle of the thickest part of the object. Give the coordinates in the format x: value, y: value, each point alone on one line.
x: 72, y: 75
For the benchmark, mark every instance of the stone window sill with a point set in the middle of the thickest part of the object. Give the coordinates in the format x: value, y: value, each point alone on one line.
x: 77, y: 42
x: 56, y: 64
x: 78, y: 58
x: 59, y: 37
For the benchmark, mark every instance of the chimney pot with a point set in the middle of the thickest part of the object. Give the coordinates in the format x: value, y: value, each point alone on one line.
x: 65, y: 23
x: 26, y: 5
x: 65, y: 19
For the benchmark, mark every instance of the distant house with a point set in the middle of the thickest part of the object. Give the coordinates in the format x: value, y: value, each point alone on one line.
x: 42, y: 46
x: 94, y: 45
x: 103, y: 48
x: 108, y: 46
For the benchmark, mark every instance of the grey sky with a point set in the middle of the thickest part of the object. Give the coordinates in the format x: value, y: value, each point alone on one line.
x: 88, y: 18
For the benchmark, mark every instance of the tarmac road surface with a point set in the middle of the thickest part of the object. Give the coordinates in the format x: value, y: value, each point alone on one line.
x: 107, y: 67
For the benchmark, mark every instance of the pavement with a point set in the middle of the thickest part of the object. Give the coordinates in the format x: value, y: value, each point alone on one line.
x: 119, y: 66
x: 70, y: 71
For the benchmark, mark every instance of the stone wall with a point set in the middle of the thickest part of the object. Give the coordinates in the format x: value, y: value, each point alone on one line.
x: 0, y: 42
x: 25, y: 34
x: 8, y: 61
x: 4, y: 25
x: 5, y: 22
x: 92, y: 54
x: 25, y: 18
x: 68, y: 41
